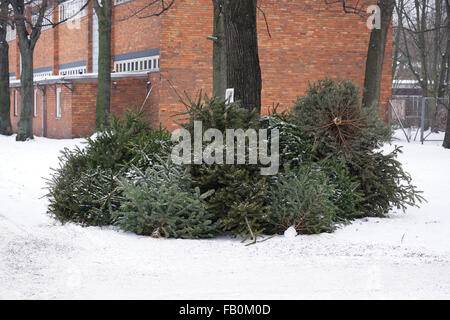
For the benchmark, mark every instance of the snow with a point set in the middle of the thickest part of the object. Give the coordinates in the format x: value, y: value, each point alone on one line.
x: 290, y: 232
x: 404, y: 257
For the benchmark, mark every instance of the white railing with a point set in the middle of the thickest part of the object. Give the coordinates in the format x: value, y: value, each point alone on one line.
x: 72, y: 71
x: 70, y: 10
x: 41, y: 75
x: 137, y: 65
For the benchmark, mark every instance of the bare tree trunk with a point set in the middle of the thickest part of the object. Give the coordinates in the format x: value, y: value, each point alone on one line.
x: 103, y: 103
x: 5, y: 113
x: 243, y: 68
x: 25, y: 125
x: 446, y: 143
x: 219, y: 53
x: 375, y: 55
x: 27, y: 42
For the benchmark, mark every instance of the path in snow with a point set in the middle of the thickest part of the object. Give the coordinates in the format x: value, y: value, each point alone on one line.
x: 407, y: 256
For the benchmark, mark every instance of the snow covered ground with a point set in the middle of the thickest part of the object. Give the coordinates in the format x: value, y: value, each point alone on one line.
x: 405, y: 257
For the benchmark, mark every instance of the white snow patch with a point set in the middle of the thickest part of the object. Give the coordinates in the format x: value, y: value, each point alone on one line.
x: 405, y: 257
x: 290, y: 232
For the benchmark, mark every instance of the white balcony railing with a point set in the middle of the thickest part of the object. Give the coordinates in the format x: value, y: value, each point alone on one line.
x: 137, y: 65
x: 72, y: 71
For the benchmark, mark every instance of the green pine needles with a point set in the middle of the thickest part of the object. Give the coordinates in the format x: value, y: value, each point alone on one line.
x: 340, y: 129
x: 161, y: 202
x: 84, y: 188
x: 331, y: 172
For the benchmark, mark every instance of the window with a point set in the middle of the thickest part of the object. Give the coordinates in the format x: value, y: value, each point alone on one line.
x: 58, y: 103
x: 16, y: 107
x: 70, y: 10
x: 10, y: 33
x: 137, y: 65
x: 46, y: 22
x: 35, y: 104
x: 117, y: 2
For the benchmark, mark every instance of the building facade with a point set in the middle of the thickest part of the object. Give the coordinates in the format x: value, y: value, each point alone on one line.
x: 155, y: 59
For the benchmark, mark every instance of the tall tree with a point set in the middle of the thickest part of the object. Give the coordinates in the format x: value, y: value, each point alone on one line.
x: 103, y: 9
x: 219, y: 52
x: 28, y: 33
x: 425, y: 51
x: 377, y: 45
x: 241, y: 43
x: 447, y: 60
x: 5, y: 116
x: 376, y: 53
x: 423, y: 44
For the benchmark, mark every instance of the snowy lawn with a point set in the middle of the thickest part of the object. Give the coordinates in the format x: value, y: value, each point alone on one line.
x: 407, y: 256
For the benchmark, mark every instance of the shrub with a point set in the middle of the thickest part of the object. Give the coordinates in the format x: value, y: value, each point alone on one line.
x: 332, y: 116
x: 384, y: 183
x: 302, y: 197
x: 295, y: 147
x: 347, y: 196
x: 160, y: 201
x: 240, y: 198
x: 338, y: 128
x: 83, y: 188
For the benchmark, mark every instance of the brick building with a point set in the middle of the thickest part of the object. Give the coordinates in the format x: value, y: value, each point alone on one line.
x: 171, y: 53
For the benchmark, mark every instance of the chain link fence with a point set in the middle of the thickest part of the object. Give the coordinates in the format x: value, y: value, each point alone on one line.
x: 420, y: 118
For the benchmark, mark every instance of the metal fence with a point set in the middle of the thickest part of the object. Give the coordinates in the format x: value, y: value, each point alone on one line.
x: 420, y: 118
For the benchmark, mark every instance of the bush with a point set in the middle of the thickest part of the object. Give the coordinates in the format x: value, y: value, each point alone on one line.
x: 384, y: 183
x: 240, y: 198
x: 303, y: 197
x: 84, y: 187
x: 332, y: 116
x: 160, y: 201
x: 338, y: 128
x: 347, y: 195
x: 295, y: 147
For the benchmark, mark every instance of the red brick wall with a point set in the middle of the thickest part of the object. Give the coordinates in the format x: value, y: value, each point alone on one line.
x: 59, y: 127
x: 12, y: 56
x: 43, y: 52
x: 83, y: 110
x: 126, y: 93
x: 54, y: 127
x: 309, y: 41
x: 185, y: 55
x: 73, y: 40
x: 131, y: 34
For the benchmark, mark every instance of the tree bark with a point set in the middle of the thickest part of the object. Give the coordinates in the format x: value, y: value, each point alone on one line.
x: 25, y: 125
x: 243, y: 68
x: 5, y: 104
x: 219, y: 53
x: 103, y: 103
x: 375, y: 55
x: 27, y: 42
x: 446, y: 143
